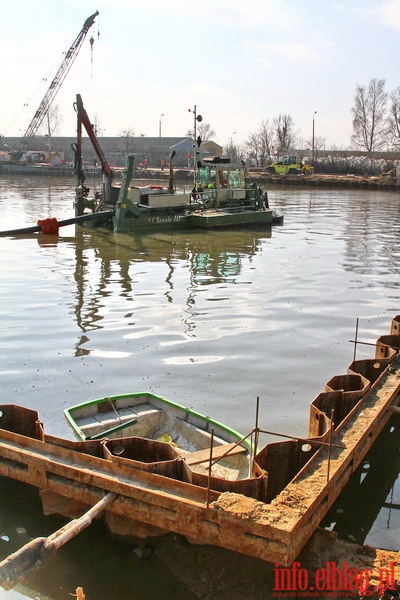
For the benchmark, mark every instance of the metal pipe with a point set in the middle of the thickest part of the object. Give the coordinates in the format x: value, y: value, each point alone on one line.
x: 355, y: 343
x: 330, y: 446
x: 210, y: 464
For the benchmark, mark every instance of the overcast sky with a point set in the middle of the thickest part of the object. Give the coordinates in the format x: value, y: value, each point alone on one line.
x: 240, y: 62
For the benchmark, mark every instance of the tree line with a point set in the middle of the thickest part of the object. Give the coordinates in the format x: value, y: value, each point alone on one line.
x: 375, y: 127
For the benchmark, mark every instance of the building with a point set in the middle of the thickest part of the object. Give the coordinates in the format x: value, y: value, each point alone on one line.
x: 150, y: 149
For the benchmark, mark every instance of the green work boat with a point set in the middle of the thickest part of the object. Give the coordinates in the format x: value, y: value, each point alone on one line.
x: 218, y: 198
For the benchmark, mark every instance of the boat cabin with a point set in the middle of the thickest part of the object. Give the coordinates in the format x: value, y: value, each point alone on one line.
x: 220, y: 173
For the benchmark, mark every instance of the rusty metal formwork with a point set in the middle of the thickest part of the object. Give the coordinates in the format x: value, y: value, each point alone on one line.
x: 270, y: 516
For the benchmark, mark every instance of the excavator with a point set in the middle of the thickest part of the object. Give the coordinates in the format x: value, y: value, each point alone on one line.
x: 70, y: 56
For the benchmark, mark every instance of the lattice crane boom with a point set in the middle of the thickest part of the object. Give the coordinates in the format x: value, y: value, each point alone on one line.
x: 55, y: 85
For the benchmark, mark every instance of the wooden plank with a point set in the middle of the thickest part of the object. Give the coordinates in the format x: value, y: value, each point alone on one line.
x: 195, y: 458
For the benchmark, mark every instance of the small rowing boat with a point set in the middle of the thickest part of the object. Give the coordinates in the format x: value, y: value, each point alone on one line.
x: 145, y: 416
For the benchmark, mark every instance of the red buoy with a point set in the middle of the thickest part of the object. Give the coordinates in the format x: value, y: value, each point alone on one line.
x: 49, y: 226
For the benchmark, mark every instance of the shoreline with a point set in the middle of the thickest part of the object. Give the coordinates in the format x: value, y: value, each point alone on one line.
x: 261, y: 177
x: 381, y: 182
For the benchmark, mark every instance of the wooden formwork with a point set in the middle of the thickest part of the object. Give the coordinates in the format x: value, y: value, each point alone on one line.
x: 300, y: 481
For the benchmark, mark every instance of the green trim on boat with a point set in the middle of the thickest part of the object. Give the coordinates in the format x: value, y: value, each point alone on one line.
x: 112, y: 430
x: 112, y: 399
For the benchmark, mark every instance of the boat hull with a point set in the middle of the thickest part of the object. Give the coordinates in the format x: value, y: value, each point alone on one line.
x: 152, y: 221
x: 149, y: 430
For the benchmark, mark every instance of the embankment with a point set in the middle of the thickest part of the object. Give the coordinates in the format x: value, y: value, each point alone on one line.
x: 383, y: 182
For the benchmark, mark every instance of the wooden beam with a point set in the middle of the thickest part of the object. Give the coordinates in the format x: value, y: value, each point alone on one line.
x: 195, y: 458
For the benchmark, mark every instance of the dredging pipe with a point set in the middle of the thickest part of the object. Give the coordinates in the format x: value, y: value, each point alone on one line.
x: 51, y: 225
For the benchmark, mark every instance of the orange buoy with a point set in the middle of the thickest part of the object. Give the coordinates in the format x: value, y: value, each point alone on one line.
x: 49, y: 226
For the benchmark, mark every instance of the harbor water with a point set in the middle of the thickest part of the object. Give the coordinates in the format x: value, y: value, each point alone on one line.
x: 212, y: 320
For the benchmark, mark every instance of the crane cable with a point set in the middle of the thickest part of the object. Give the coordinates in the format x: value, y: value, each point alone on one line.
x: 49, y: 74
x: 91, y: 56
x: 91, y: 49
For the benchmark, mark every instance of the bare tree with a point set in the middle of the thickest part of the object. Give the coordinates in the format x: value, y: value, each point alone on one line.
x: 205, y: 131
x: 127, y: 135
x: 98, y: 130
x: 51, y: 125
x: 285, y: 134
x: 369, y: 116
x: 319, y: 145
x: 234, y: 151
x: 259, y: 145
x: 253, y: 148
x: 394, y: 118
x: 266, y: 135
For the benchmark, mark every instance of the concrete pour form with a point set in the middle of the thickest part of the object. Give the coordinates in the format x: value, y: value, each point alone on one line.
x: 299, y: 481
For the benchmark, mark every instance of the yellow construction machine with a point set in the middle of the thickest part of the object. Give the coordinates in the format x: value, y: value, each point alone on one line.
x: 290, y: 165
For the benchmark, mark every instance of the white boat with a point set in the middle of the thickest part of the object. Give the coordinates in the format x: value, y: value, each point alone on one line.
x: 182, y: 432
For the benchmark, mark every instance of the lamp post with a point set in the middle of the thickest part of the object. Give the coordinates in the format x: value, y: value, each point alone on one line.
x: 159, y: 125
x: 160, y: 144
x: 313, y: 138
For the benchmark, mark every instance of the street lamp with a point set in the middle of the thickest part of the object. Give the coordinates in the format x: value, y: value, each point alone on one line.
x: 313, y: 138
x: 159, y: 134
x: 159, y: 125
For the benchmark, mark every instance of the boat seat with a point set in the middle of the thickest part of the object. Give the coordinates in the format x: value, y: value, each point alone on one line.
x: 107, y: 422
x: 202, y: 438
x: 195, y: 458
x: 92, y: 425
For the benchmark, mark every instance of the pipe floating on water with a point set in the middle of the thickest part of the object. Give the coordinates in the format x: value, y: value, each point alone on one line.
x: 50, y: 226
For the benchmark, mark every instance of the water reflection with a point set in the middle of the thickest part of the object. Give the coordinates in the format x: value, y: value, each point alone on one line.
x: 33, y: 198
x: 368, y: 244
x: 372, y: 496
x: 130, y: 269
x: 209, y: 320
x: 104, y: 567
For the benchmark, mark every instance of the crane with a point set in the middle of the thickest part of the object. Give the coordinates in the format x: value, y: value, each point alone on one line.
x: 55, y: 85
x: 83, y: 119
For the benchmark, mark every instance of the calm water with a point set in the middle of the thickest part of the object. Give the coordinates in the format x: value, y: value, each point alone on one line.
x: 210, y: 320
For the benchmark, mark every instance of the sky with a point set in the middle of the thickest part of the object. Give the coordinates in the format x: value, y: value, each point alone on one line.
x: 240, y: 63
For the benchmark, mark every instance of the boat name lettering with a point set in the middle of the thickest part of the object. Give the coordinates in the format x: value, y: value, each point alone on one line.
x: 156, y: 220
